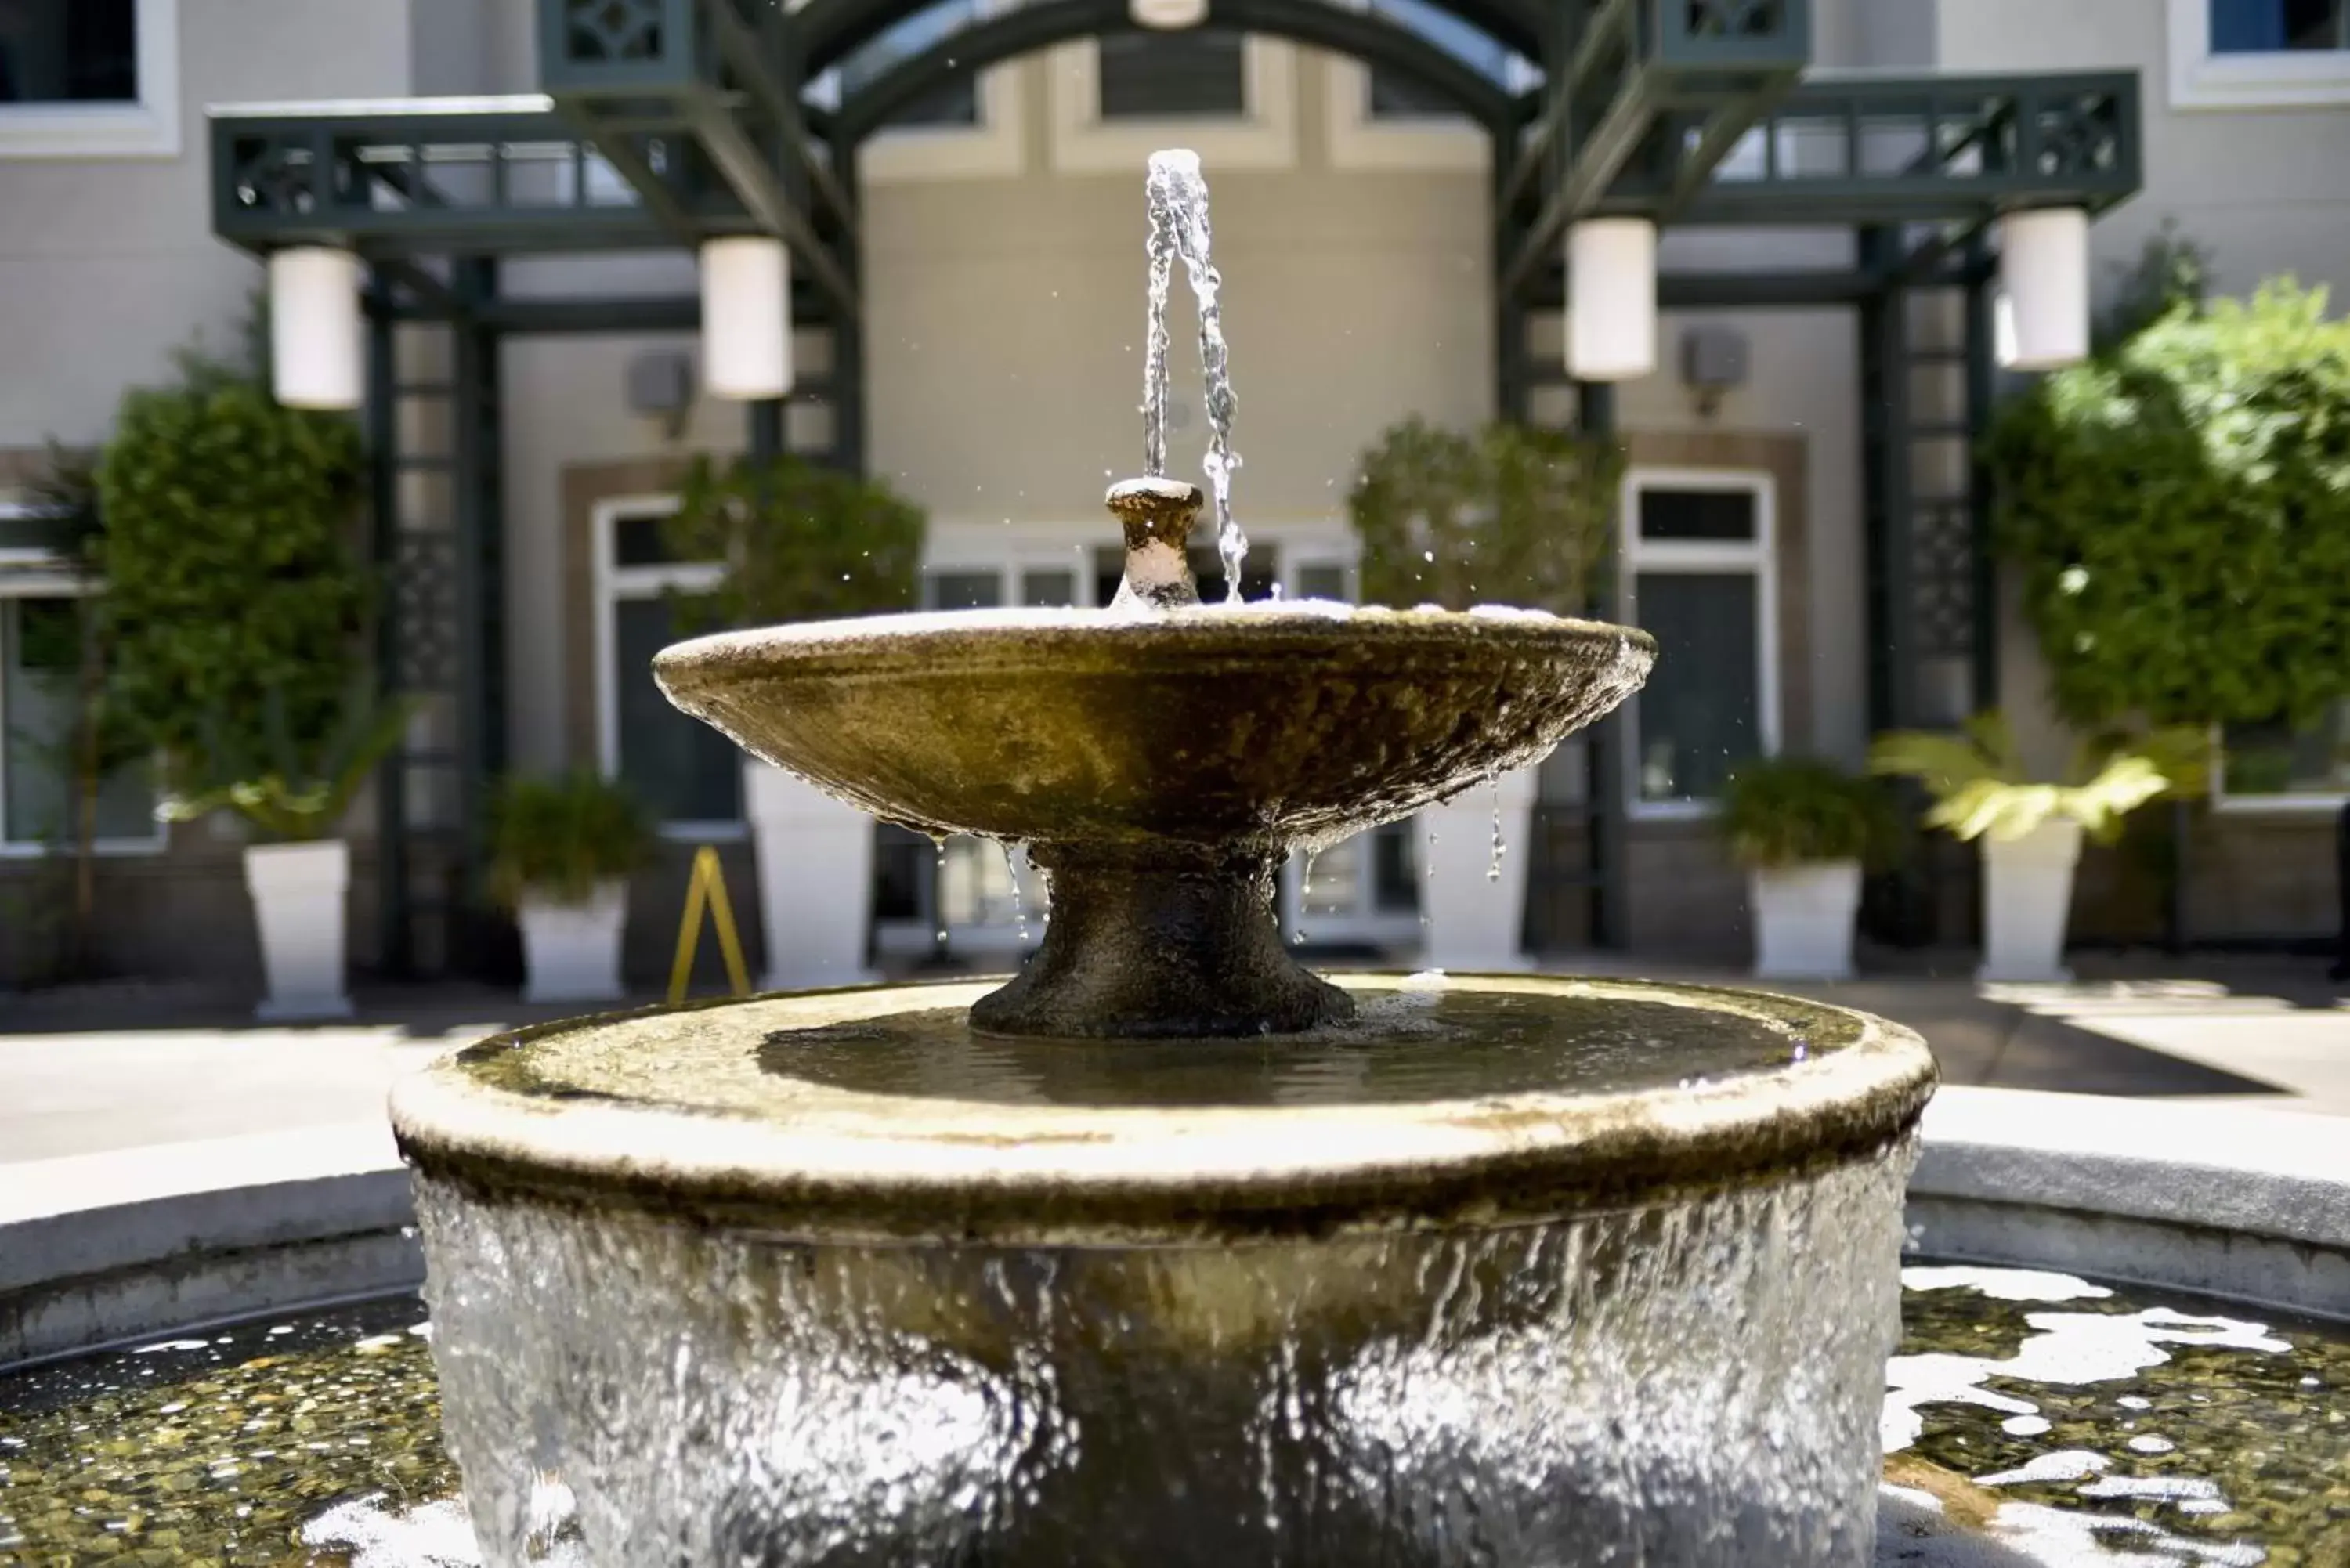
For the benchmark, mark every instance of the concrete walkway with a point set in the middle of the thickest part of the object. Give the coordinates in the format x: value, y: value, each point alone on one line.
x: 81, y: 1076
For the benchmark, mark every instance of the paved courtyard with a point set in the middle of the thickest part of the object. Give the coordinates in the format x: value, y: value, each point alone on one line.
x: 85, y: 1076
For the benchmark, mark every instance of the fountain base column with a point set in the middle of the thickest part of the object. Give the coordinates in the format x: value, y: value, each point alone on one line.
x: 1160, y: 947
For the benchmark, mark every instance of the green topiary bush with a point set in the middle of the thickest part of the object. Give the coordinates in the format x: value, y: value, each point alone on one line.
x: 557, y: 839
x: 235, y: 596
x: 1510, y: 515
x: 2178, y: 509
x: 799, y: 541
x: 1790, y: 811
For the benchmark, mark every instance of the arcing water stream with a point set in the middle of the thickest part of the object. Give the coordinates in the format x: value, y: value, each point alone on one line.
x: 1177, y: 200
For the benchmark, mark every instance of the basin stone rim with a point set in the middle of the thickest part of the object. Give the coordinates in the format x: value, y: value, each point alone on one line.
x: 1027, y: 637
x: 848, y: 1165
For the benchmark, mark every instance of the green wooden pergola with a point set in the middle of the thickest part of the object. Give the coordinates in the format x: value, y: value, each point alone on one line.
x: 700, y: 108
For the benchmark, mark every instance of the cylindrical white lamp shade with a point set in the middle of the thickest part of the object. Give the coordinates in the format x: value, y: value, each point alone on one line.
x: 1611, y: 299
x: 317, y: 339
x: 2044, y: 263
x: 746, y: 318
x: 1168, y: 16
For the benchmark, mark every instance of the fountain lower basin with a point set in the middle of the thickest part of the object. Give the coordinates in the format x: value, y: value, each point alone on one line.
x: 760, y: 1286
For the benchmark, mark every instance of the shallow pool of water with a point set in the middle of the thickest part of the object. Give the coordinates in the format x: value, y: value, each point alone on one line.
x: 2030, y: 1419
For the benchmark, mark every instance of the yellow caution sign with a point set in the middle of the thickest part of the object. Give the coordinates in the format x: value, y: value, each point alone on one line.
x: 708, y: 888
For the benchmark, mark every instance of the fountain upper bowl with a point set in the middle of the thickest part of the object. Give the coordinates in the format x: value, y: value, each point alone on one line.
x: 1222, y: 728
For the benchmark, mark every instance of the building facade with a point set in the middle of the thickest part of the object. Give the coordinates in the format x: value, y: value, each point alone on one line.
x: 1001, y: 265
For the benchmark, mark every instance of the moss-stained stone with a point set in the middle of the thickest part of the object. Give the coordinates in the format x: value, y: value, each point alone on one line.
x: 1487, y: 1101
x: 1160, y: 763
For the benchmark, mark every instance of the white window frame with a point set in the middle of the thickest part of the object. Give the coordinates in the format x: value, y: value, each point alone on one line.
x: 2297, y: 803
x: 1757, y: 557
x: 1263, y: 136
x: 993, y: 147
x: 611, y: 584
x: 32, y: 573
x: 2284, y: 78
x: 147, y: 129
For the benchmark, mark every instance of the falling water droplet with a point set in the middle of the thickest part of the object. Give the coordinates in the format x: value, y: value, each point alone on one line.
x: 1019, y: 905
x: 940, y: 888
x: 1493, y: 865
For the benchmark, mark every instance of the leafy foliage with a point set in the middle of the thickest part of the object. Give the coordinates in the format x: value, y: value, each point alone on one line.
x: 800, y: 542
x: 290, y: 788
x: 1981, y: 785
x: 234, y: 599
x: 1509, y: 514
x: 2179, y: 511
x: 558, y: 838
x: 1789, y: 810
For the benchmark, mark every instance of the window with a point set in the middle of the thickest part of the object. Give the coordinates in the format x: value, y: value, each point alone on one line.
x: 2268, y: 26
x: 1229, y: 96
x: 40, y: 645
x: 688, y: 773
x: 88, y: 78
x: 2277, y: 766
x: 2259, y: 54
x: 70, y: 51
x: 1698, y: 577
x: 1173, y: 76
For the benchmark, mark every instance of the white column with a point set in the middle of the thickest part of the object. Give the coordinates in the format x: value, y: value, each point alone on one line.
x: 1611, y: 299
x: 746, y: 318
x: 317, y: 339
x: 2044, y: 266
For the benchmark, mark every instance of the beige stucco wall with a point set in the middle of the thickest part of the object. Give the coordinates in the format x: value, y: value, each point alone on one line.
x: 108, y: 265
x: 2266, y: 191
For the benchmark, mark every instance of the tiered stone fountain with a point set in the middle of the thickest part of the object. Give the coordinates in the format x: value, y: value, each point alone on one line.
x: 1168, y: 1252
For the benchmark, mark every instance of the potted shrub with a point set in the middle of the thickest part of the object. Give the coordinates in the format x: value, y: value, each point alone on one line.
x: 1804, y: 828
x: 1507, y: 516
x: 236, y: 611
x: 293, y: 797
x: 2030, y: 830
x: 561, y: 853
x: 801, y: 542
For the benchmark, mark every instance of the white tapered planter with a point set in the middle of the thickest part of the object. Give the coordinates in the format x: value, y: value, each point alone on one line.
x: 2027, y: 900
x: 298, y: 892
x: 1804, y: 919
x: 816, y: 880
x: 1471, y: 919
x: 571, y: 952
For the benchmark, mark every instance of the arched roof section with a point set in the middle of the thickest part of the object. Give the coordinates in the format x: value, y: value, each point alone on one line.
x: 1363, y: 35
x: 830, y: 29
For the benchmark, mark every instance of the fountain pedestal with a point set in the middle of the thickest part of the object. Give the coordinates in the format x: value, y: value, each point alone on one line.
x: 1169, y: 945
x: 1168, y: 1252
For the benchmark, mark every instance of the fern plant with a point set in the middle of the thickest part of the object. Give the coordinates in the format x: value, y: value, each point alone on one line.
x: 1795, y: 811
x: 558, y: 838
x: 288, y: 789
x: 1981, y: 788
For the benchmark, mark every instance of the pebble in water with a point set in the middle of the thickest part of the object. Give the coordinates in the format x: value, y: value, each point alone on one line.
x: 1177, y: 197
